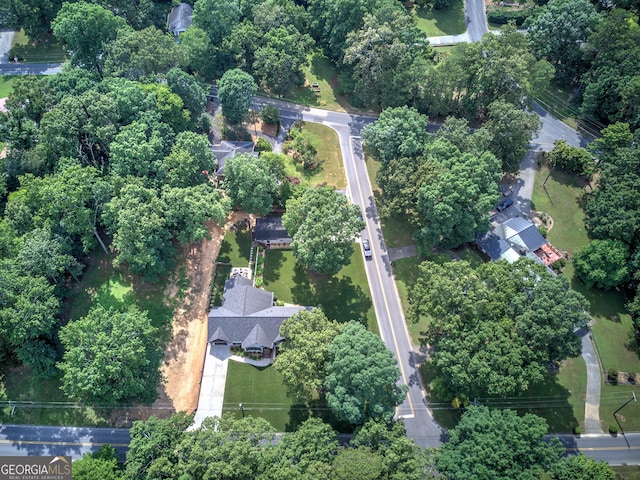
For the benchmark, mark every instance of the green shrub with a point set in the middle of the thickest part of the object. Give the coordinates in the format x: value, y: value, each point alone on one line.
x: 259, y: 282
x: 578, y: 430
x: 270, y: 114
x: 613, y: 429
x: 612, y: 376
x: 543, y: 231
x: 260, y: 259
x: 263, y: 145
x: 502, y: 17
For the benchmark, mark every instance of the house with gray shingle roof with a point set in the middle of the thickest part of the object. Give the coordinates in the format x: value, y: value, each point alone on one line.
x: 248, y: 318
x: 180, y: 18
x: 270, y: 233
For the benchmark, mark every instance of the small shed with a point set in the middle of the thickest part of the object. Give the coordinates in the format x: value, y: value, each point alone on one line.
x: 179, y: 18
x: 270, y: 233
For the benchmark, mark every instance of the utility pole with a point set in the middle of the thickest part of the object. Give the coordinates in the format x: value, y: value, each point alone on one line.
x: 632, y: 399
x: 241, y: 409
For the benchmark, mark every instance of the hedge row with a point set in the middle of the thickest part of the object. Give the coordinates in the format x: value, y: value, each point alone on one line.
x: 502, y: 17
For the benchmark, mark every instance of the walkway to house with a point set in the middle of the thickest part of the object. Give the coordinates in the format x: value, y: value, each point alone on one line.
x: 214, y: 378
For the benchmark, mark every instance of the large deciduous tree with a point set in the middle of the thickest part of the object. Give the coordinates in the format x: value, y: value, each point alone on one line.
x: 323, y: 226
x: 603, y: 263
x: 455, y: 203
x: 110, y: 357
x: 100, y: 465
x: 511, y: 129
x: 86, y: 29
x: 381, y: 53
x: 140, y: 54
x: 216, y: 17
x: 28, y: 318
x: 236, y: 90
x: 495, y: 329
x: 497, y: 444
x: 557, y: 31
x: 250, y: 183
x: 304, y: 352
x: 278, y: 64
x: 362, y: 377
x: 399, y: 132
x: 190, y: 162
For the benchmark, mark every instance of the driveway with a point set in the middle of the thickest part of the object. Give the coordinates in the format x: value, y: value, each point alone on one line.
x: 214, y: 380
x: 6, y: 39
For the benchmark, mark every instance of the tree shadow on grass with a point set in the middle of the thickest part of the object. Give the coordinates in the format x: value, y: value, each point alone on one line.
x: 340, y: 298
x: 317, y: 408
x: 272, y: 264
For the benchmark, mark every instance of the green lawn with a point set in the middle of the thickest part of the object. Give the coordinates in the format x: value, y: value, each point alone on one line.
x: 236, y: 248
x: 561, y: 199
x: 102, y: 284
x: 559, y: 398
x: 469, y: 255
x: 627, y: 472
x: 47, y: 51
x: 322, y: 71
x: 612, y: 397
x: 262, y: 394
x: 343, y: 297
x: 558, y: 101
x: 6, y: 85
x: 445, y: 21
x: 331, y: 172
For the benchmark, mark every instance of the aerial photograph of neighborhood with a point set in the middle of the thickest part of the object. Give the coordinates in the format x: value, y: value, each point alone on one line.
x: 319, y: 239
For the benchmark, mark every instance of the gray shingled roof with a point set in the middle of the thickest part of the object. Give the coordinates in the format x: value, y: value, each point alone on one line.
x: 496, y: 247
x: 248, y: 316
x: 228, y: 149
x: 180, y: 18
x: 270, y: 229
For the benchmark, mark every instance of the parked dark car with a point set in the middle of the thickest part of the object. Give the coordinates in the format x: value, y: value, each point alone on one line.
x: 366, y: 246
x: 506, y: 204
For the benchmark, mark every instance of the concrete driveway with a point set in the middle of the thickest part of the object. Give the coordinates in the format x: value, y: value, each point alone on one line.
x: 214, y: 379
x: 6, y: 39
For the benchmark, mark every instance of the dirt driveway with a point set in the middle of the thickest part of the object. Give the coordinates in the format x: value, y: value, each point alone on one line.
x: 184, y: 356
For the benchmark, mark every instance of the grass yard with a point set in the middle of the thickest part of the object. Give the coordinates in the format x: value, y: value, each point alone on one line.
x: 627, y: 472
x: 469, y: 255
x: 102, y: 284
x: 6, y: 85
x: 236, y: 248
x: 558, y: 101
x: 343, y: 297
x: 48, y: 51
x: 612, y: 397
x: 322, y: 71
x: 262, y: 394
x: 331, y: 172
x: 445, y: 21
x: 559, y: 399
x: 561, y: 201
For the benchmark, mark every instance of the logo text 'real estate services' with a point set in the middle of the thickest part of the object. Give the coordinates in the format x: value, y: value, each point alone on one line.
x: 35, y: 468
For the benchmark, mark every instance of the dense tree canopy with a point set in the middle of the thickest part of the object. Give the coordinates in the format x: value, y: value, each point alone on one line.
x: 304, y: 353
x: 362, y: 376
x: 455, y: 203
x: 603, y: 263
x: 497, y: 444
x: 110, y: 357
x: 236, y: 90
x: 250, y: 183
x: 323, y: 226
x: 556, y: 32
x: 399, y: 132
x: 85, y: 29
x: 495, y: 329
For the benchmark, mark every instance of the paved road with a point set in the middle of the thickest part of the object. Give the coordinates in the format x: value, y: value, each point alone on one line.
x: 476, y: 20
x: 420, y: 425
x: 32, y: 440
x: 30, y: 68
x: 620, y: 450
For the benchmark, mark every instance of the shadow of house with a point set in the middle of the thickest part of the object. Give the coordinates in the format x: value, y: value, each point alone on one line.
x: 248, y: 318
x: 179, y: 19
x: 271, y: 234
x: 515, y: 238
